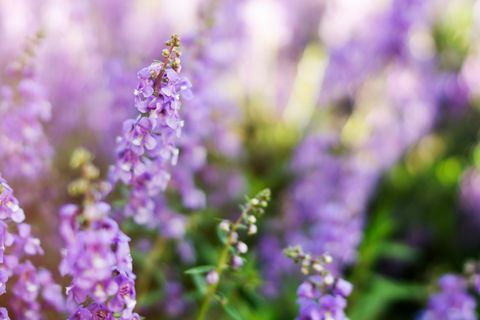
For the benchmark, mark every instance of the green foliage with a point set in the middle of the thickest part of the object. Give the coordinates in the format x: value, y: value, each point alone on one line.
x: 200, y: 269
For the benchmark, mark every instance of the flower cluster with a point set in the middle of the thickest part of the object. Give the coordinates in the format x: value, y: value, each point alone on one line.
x: 321, y: 296
x: 452, y: 302
x: 24, y: 108
x: 16, y: 246
x: 148, y: 145
x: 97, y: 254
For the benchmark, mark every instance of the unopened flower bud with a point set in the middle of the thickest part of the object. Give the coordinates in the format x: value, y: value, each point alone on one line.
x: 327, y: 258
x: 328, y: 279
x: 254, y: 201
x: 237, y: 262
x: 79, y: 157
x: 233, y: 237
x: 212, y: 277
x: 225, y: 225
x: 317, y: 267
x: 252, y: 229
x: 242, y: 247
x: 91, y: 172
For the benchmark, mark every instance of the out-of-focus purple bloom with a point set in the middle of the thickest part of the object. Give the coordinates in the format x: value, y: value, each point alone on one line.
x: 25, y: 149
x: 383, y: 35
x: 328, y: 200
x: 211, y: 117
x: 4, y: 314
x: 452, y: 302
x: 16, y: 244
x: 397, y: 98
x: 175, y: 303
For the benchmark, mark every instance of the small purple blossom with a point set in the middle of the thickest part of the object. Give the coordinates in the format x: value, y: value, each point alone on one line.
x: 452, y: 302
x: 319, y: 299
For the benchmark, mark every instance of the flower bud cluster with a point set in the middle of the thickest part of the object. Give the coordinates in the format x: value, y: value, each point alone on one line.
x: 251, y: 211
x: 322, y: 295
x: 309, y: 264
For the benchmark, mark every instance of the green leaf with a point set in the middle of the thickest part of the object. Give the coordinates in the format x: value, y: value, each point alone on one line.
x: 232, y: 312
x: 200, y: 284
x: 200, y: 269
x: 152, y: 298
x: 398, y: 251
x: 222, y: 235
x: 381, y: 293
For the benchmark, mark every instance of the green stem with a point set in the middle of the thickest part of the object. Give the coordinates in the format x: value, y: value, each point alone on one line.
x: 221, y: 266
x: 212, y: 289
x: 150, y: 263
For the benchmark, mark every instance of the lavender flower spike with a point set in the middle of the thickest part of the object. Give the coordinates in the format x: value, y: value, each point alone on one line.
x: 148, y: 146
x: 97, y: 254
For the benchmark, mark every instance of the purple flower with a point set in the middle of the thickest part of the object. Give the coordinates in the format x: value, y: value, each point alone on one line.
x: 148, y: 147
x: 452, y: 302
x: 32, y: 286
x: 318, y: 299
x: 97, y: 257
x: 4, y: 314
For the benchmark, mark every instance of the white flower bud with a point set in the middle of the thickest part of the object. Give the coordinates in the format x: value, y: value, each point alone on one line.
x: 328, y: 258
x: 233, y: 237
x: 225, y: 225
x: 212, y: 277
x: 242, y: 247
x: 328, y: 279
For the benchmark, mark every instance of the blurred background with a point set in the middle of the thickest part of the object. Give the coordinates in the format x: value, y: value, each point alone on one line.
x: 361, y: 116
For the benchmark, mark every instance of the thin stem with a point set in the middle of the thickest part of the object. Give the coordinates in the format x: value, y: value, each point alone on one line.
x: 222, y: 261
x: 150, y: 263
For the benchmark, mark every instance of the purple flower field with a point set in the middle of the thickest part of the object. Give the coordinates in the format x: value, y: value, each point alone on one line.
x: 239, y: 159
